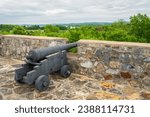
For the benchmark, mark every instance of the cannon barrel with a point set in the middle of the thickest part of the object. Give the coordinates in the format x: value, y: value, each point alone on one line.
x: 39, y: 54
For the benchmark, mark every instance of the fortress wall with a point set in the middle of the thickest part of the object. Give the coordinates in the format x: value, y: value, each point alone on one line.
x: 102, y: 60
x: 107, y: 60
x: 17, y: 46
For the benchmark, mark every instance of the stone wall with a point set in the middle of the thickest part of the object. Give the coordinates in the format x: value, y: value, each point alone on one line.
x: 105, y: 70
x: 105, y: 60
x: 16, y: 46
x: 0, y: 45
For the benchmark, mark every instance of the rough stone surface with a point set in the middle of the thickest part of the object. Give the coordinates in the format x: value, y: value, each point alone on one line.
x: 117, y: 61
x: 146, y: 95
x: 18, y: 46
x: 146, y: 81
x: 108, y: 77
x: 125, y: 74
x: 76, y: 87
x: 1, y: 97
x: 114, y: 64
x: 87, y: 64
x: 113, y: 68
x: 112, y: 71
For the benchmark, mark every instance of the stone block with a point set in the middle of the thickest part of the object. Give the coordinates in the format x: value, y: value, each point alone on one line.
x: 99, y: 68
x: 125, y: 74
x: 146, y: 95
x: 108, y: 77
x: 112, y: 71
x: 115, y: 64
x: 87, y: 64
x: 146, y: 81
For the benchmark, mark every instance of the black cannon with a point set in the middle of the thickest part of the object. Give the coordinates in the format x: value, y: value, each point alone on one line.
x: 41, y: 62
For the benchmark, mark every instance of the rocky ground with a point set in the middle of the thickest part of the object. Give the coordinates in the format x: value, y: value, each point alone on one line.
x: 75, y: 87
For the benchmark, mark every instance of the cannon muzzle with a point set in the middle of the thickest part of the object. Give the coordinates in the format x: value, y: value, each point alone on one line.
x: 39, y: 54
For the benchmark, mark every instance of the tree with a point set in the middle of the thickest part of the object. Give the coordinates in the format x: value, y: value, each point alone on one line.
x: 33, y: 27
x: 19, y: 30
x: 49, y: 28
x: 140, y: 26
x: 61, y: 27
x: 73, y: 35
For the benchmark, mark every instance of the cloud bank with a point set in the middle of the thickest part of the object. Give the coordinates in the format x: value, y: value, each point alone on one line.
x: 67, y: 11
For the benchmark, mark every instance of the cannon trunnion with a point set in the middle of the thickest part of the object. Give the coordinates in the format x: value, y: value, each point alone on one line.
x: 41, y: 62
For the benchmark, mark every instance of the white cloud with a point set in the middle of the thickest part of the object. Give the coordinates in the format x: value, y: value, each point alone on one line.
x: 63, y: 11
x: 55, y: 11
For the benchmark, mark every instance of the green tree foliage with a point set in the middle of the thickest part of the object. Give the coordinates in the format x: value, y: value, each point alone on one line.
x: 50, y: 28
x: 140, y: 26
x: 33, y: 27
x: 73, y: 35
x: 136, y: 30
x: 6, y: 28
x: 19, y: 30
x: 61, y: 27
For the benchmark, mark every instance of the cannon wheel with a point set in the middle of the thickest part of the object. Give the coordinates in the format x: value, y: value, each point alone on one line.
x: 65, y: 71
x: 42, y: 83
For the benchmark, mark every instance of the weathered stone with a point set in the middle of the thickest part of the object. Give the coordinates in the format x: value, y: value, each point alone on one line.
x: 6, y: 91
x: 93, y: 85
x: 107, y: 95
x: 128, y: 90
x: 114, y: 64
x: 147, y: 68
x: 95, y: 64
x: 91, y: 97
x: 107, y: 85
x: 134, y: 96
x: 146, y: 95
x: 137, y: 51
x: 138, y: 59
x: 8, y: 86
x: 98, y: 53
x: 106, y: 58
x: 87, y: 64
x: 30, y: 96
x: 79, y: 82
x: 108, y: 77
x: 146, y: 81
x: 128, y: 67
x: 147, y: 60
x: 115, y: 54
x: 135, y: 83
x: 1, y: 97
x: 6, y: 69
x: 125, y: 75
x: 23, y: 90
x: 125, y: 58
x: 98, y: 76
x: 99, y: 68
x: 89, y: 53
x: 139, y: 69
x: 38, y: 95
x: 112, y: 71
x: 116, y: 91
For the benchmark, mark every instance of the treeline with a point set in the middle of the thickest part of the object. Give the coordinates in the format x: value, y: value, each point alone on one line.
x: 136, y: 30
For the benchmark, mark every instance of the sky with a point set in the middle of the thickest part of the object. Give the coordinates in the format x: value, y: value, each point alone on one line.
x: 69, y: 11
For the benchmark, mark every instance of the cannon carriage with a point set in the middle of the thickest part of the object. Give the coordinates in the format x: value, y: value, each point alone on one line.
x: 41, y: 62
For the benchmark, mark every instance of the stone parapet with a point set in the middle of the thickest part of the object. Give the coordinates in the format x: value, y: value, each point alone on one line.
x: 105, y: 60
x: 17, y: 46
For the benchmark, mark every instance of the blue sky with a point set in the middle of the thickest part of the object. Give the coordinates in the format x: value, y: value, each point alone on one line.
x: 69, y: 11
